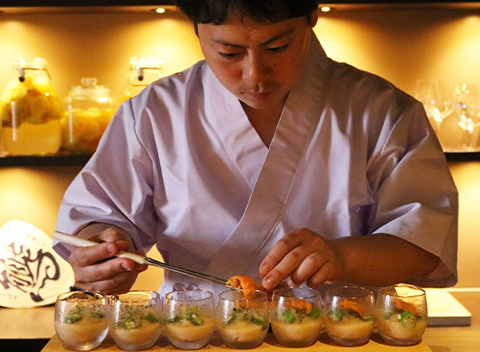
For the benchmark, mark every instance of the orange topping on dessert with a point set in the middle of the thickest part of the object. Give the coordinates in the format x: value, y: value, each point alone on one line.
x: 300, y: 304
x: 404, y: 306
x: 245, y: 283
x: 352, y: 306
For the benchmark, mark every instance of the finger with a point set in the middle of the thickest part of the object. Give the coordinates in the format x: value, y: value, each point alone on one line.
x: 308, y: 267
x: 279, y: 251
x: 84, y: 256
x: 119, y: 283
x: 103, y: 271
x: 328, y: 273
x: 283, y: 269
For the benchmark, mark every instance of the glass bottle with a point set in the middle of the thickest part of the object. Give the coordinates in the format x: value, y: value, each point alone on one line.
x: 30, y: 110
x: 89, y: 107
x: 143, y: 71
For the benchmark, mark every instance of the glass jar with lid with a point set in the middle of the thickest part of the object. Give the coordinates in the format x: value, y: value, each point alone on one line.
x: 143, y: 71
x: 30, y: 110
x: 89, y: 109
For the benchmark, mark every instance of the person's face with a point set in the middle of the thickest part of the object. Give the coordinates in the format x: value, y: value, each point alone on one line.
x: 258, y: 63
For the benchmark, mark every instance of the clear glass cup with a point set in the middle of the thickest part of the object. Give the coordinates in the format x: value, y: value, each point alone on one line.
x: 296, y: 316
x: 349, y: 314
x: 401, y: 314
x: 136, y: 319
x: 189, y: 318
x: 242, y: 320
x: 81, y: 320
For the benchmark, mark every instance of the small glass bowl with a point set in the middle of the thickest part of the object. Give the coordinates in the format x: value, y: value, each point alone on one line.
x: 401, y: 314
x: 296, y: 316
x: 189, y: 318
x: 242, y: 320
x: 349, y: 315
x: 81, y: 320
x: 136, y: 319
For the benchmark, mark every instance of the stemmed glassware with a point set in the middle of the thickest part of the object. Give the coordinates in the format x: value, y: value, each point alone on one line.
x: 460, y: 131
x: 469, y: 103
x: 437, y: 98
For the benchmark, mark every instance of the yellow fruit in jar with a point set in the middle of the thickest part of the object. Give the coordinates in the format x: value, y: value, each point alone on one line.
x: 33, y: 101
x: 83, y: 128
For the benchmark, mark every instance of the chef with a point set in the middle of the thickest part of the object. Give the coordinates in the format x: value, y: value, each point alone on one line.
x: 267, y: 159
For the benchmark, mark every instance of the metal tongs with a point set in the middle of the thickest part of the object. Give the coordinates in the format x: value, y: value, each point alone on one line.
x: 137, y: 258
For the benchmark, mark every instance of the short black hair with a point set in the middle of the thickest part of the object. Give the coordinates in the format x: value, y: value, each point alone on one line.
x: 262, y: 11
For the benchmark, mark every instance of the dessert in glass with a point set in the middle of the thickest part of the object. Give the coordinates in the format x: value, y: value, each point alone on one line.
x: 81, y: 320
x: 242, y: 320
x: 136, y: 319
x: 349, y: 315
x: 296, y: 317
x: 401, y: 314
x: 189, y: 318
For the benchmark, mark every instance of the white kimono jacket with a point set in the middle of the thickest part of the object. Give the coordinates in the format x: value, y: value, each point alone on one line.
x: 181, y: 167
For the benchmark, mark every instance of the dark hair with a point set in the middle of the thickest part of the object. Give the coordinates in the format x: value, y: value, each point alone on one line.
x: 262, y: 11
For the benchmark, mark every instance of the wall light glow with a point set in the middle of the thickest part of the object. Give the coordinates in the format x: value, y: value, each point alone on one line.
x: 325, y: 8
x: 160, y: 10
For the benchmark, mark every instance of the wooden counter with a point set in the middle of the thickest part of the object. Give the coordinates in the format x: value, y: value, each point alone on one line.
x: 270, y: 344
x: 436, y: 339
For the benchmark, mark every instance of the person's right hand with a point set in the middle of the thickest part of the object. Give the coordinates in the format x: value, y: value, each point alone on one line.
x: 97, y: 269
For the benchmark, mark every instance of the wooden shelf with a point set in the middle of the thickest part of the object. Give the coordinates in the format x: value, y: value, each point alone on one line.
x: 467, y: 156
x: 49, y: 160
x: 82, y: 159
x: 82, y: 3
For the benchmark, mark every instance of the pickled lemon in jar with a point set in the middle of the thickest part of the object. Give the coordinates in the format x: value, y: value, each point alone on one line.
x: 30, y: 110
x: 89, y: 109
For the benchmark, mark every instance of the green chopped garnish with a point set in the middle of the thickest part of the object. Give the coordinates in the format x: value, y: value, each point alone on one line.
x: 289, y: 316
x: 408, y: 320
x: 74, y: 315
x: 231, y: 318
x: 314, y: 314
x: 130, y: 324
x: 151, y: 318
x: 335, y: 315
x: 174, y: 320
x: 259, y: 320
x: 194, y: 318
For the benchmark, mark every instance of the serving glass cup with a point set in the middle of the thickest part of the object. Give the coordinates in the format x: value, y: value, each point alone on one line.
x: 189, y: 318
x: 242, y: 320
x: 349, y: 314
x: 81, y: 320
x: 136, y: 319
x: 296, y: 316
x: 401, y: 314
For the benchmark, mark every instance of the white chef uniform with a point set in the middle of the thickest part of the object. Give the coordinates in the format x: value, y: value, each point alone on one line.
x: 181, y: 167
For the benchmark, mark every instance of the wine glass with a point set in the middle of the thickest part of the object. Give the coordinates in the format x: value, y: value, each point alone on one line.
x: 469, y: 102
x: 437, y: 98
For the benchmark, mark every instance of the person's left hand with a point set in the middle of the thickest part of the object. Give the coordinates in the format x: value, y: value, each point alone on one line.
x: 302, y: 256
